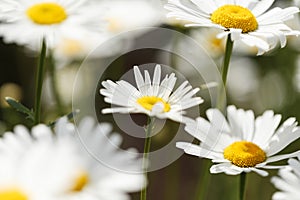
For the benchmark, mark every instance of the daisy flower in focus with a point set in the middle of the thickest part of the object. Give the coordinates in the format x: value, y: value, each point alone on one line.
x: 241, y: 143
x: 288, y: 182
x: 247, y: 21
x: 154, y: 98
x: 27, y: 22
x: 60, y: 165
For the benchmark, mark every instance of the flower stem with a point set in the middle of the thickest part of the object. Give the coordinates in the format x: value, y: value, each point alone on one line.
x: 39, y: 83
x: 203, y: 183
x: 242, y: 185
x: 53, y: 80
x: 147, y: 146
x: 222, y: 88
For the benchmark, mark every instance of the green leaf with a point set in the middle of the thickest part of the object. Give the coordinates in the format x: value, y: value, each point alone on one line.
x: 20, y: 108
x: 69, y: 116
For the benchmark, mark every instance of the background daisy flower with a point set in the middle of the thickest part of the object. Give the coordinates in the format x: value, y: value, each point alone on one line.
x: 247, y: 21
x: 28, y: 22
x: 241, y: 143
x: 288, y: 181
x: 63, y: 167
x: 154, y: 98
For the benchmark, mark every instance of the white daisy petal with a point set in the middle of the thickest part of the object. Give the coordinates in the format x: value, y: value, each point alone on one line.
x: 196, y: 150
x: 225, y: 168
x: 281, y: 157
x: 262, y: 6
x: 260, y: 172
x: 265, y: 127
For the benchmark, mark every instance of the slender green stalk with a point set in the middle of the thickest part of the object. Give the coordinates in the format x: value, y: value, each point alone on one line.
x: 39, y: 83
x: 202, y: 186
x: 225, y: 68
x: 147, y: 146
x: 242, y: 185
x: 53, y: 80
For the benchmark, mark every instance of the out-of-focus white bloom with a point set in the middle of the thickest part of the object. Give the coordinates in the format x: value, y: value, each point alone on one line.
x: 154, y: 98
x: 296, y: 2
x: 288, y: 181
x: 207, y: 38
x: 119, y: 16
x: 59, y: 165
x: 242, y: 87
x: 34, y: 167
x: 27, y: 22
x: 124, y: 15
x: 65, y: 80
x: 246, y: 21
x: 297, y: 75
x: 241, y: 143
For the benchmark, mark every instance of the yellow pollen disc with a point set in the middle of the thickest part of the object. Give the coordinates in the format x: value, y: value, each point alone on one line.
x: 12, y: 194
x: 149, y: 101
x: 244, y: 154
x: 71, y: 47
x: 114, y: 25
x: 80, y: 182
x: 232, y: 16
x: 46, y: 13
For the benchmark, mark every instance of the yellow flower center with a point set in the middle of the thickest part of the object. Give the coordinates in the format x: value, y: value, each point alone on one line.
x: 232, y: 16
x: 114, y: 25
x: 46, y: 13
x: 12, y: 194
x: 149, y: 101
x: 80, y: 182
x: 244, y: 154
x: 71, y: 47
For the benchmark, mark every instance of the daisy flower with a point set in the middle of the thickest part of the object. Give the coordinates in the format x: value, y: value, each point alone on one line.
x: 28, y: 22
x: 61, y: 165
x: 288, y: 182
x: 241, y: 143
x: 34, y: 168
x: 247, y: 21
x: 153, y: 98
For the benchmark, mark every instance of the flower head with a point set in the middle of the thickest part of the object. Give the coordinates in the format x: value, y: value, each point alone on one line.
x: 288, y: 182
x: 43, y: 165
x: 28, y: 22
x: 241, y: 143
x: 247, y: 21
x: 153, y: 98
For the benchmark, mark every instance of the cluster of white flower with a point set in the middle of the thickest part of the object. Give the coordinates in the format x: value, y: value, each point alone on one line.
x: 46, y: 164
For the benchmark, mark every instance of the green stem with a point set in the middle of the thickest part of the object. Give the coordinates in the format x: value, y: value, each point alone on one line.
x: 242, y: 185
x: 39, y: 83
x: 53, y: 80
x: 147, y: 146
x: 202, y: 186
x: 225, y: 68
